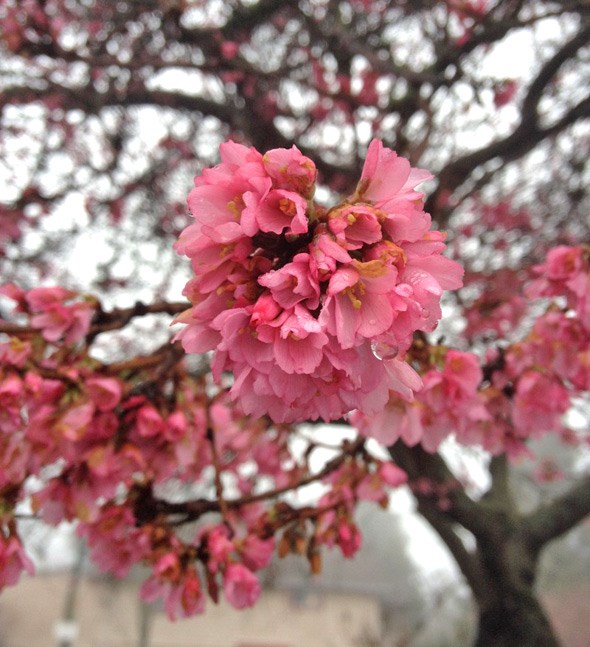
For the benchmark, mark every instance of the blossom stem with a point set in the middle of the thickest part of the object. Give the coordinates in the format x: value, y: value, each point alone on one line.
x: 223, y: 509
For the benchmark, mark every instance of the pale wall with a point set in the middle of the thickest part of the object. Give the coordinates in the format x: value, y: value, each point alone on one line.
x: 108, y: 614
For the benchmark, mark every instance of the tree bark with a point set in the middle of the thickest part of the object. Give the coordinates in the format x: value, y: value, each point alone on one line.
x: 517, y: 622
x: 510, y: 614
x: 501, y: 569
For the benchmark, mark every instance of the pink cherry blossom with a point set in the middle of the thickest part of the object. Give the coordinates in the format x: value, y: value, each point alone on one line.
x: 448, y: 403
x: 179, y: 588
x: 40, y: 299
x: 15, y: 352
x: 290, y: 169
x: 256, y: 553
x: 349, y: 538
x: 11, y: 398
x: 241, y: 586
x: 274, y: 211
x: 219, y: 547
x: 13, y: 560
x: 566, y: 272
x: 392, y: 474
x: 539, y: 404
x: 387, y: 178
x: 396, y: 420
x: 115, y: 543
x: 105, y: 392
x: 53, y: 311
x: 149, y: 422
x: 356, y: 306
x: 293, y: 283
x: 355, y: 225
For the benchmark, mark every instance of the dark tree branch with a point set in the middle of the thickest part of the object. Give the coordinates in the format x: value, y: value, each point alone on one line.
x: 548, y: 71
x: 556, y: 518
x: 248, y: 18
x: 418, y: 464
x: 499, y: 495
x: 468, y: 562
x: 192, y: 510
x: 525, y: 137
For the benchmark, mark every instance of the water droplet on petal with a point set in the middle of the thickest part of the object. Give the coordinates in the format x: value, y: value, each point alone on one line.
x: 384, y: 351
x: 372, y: 322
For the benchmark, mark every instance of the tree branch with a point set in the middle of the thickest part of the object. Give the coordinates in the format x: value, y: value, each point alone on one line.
x: 111, y: 320
x: 469, y: 562
x: 525, y: 137
x: 556, y: 518
x: 192, y: 510
x: 551, y: 67
x: 418, y: 464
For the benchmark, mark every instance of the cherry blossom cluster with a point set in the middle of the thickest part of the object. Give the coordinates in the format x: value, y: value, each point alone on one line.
x: 102, y: 445
x: 311, y: 309
x: 449, y: 403
x: 106, y: 443
x: 105, y: 448
x: 58, y: 313
x: 456, y: 401
x: 184, y: 572
x: 527, y: 387
x: 13, y: 558
x: 500, y: 306
x: 552, y: 364
x: 566, y: 272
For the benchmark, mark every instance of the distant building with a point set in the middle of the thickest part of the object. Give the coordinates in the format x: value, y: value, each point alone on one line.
x: 381, y: 597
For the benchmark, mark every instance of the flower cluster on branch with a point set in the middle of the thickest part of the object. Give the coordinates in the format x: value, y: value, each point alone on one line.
x: 520, y: 391
x: 135, y: 450
x: 311, y: 309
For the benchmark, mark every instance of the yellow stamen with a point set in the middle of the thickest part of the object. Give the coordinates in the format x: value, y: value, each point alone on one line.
x: 370, y: 269
x: 235, y: 206
x: 354, y: 299
x: 287, y: 207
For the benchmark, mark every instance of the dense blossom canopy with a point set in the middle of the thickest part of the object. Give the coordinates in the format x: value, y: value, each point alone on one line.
x: 188, y: 457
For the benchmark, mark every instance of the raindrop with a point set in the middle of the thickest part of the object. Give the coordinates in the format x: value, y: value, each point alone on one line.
x: 383, y: 351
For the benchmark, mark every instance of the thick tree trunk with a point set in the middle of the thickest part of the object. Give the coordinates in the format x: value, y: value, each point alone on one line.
x: 510, y: 614
x: 516, y: 621
x: 501, y: 569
